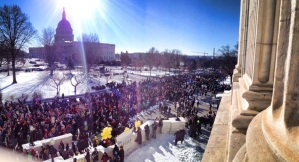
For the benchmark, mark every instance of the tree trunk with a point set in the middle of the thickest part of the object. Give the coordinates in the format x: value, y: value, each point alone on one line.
x: 14, y: 78
x: 51, y: 70
x: 75, y: 89
x: 8, y: 70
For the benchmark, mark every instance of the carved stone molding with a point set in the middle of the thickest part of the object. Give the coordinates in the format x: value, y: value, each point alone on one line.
x: 273, y: 134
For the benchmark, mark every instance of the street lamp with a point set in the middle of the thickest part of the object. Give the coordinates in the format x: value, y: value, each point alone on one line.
x: 52, y: 143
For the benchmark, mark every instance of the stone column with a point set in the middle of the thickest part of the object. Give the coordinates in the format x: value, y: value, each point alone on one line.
x: 273, y: 134
x: 256, y: 83
x: 242, y: 40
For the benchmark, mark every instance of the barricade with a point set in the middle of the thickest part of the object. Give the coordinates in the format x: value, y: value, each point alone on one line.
x: 66, y: 138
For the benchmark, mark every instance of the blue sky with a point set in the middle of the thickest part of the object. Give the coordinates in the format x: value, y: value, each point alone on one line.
x: 138, y: 25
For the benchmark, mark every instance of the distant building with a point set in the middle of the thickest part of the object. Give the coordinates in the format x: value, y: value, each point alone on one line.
x: 35, y: 52
x: 64, y: 40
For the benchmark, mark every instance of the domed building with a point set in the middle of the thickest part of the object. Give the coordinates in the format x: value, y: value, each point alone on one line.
x: 67, y: 47
x: 64, y: 31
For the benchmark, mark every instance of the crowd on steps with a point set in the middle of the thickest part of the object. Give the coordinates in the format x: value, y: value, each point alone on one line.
x: 85, y: 118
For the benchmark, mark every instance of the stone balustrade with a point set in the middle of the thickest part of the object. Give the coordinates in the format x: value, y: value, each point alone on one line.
x: 66, y: 138
x: 127, y: 139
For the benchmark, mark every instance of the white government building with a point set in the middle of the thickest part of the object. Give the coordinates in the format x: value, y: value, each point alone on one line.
x: 64, y: 39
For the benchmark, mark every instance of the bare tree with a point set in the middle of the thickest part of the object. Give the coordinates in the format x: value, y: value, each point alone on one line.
x: 176, y: 58
x: 191, y: 64
x: 20, y: 59
x: 138, y: 62
x: 70, y: 63
x: 50, y: 50
x: 76, y: 80
x: 3, y: 52
x: 0, y: 94
x: 228, y: 59
x: 4, y: 57
x: 171, y: 58
x: 166, y: 61
x: 16, y: 30
x: 92, y: 37
x: 125, y: 59
x: 159, y: 59
x: 183, y: 59
x: 151, y: 59
x: 57, y: 81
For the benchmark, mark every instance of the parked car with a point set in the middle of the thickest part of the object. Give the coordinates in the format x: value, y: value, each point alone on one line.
x: 3, y: 70
x: 39, y: 69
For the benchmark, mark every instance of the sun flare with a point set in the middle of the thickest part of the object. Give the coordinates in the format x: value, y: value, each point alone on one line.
x: 80, y: 9
x: 83, y: 14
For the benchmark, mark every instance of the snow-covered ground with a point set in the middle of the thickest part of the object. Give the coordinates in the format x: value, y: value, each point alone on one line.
x: 163, y: 149
x: 227, y: 81
x: 40, y: 82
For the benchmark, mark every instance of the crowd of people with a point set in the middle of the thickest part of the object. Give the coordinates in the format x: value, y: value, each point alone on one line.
x: 85, y: 117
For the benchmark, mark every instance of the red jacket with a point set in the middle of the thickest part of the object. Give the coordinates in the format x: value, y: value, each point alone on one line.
x: 105, y: 158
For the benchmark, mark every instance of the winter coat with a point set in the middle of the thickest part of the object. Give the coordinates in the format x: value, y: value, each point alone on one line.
x: 179, y: 135
x: 95, y: 155
x: 87, y: 157
x: 193, y: 127
x: 154, y: 127
x: 105, y: 158
x: 115, y: 150
x: 147, y: 130
x: 121, y: 155
x: 139, y: 136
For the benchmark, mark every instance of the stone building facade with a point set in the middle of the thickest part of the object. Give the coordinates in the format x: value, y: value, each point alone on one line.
x: 259, y: 121
x: 64, y: 40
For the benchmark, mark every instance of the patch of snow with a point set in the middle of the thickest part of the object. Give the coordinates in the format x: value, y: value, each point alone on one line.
x: 163, y: 149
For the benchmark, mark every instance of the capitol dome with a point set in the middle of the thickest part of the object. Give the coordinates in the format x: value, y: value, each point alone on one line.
x: 64, y: 24
x: 64, y: 31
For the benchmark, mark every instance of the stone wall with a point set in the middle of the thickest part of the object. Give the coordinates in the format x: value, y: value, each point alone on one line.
x: 263, y: 110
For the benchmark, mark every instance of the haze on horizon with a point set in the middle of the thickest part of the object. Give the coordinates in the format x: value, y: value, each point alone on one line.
x: 138, y: 25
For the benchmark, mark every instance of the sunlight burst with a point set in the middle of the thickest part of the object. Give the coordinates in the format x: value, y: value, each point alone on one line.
x: 81, y: 9
x: 84, y: 15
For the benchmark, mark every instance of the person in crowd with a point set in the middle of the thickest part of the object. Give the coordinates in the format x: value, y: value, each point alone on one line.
x: 95, y: 141
x: 193, y: 128
x: 121, y: 154
x: 64, y: 154
x: 95, y: 155
x: 179, y: 136
x: 154, y: 128
x: 105, y: 157
x: 169, y: 112
x: 116, y: 152
x: 139, y: 136
x: 198, y: 125
x: 160, y: 124
x: 147, y: 131
x: 87, y: 156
